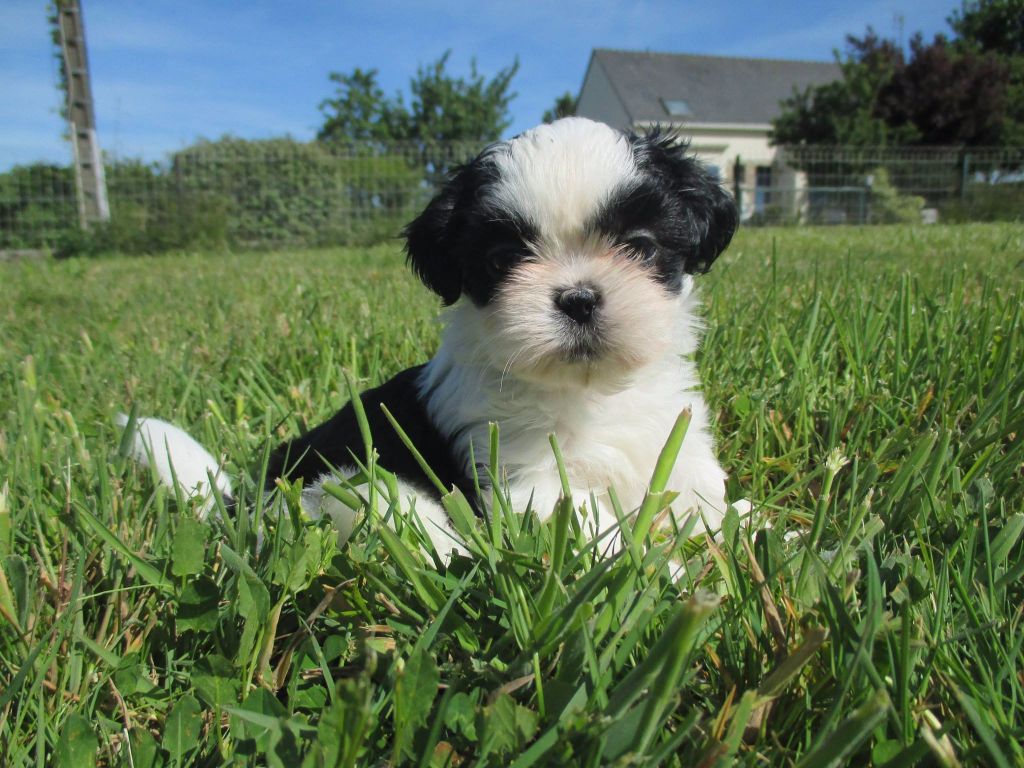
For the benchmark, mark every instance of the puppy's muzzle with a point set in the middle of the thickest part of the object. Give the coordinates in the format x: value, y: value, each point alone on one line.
x: 580, y: 303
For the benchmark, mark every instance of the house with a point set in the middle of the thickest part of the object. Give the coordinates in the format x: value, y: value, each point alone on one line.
x: 726, y: 104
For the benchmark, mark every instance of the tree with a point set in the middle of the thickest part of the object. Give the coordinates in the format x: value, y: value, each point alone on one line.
x: 565, y: 106
x: 842, y: 112
x: 442, y: 108
x: 997, y: 27
x: 968, y: 91
x: 941, y: 96
x: 445, y: 108
x: 360, y: 111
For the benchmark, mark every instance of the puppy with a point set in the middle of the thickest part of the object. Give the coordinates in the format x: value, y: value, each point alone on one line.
x: 567, y: 257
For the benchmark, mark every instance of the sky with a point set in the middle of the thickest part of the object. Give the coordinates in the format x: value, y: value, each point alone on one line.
x: 168, y: 72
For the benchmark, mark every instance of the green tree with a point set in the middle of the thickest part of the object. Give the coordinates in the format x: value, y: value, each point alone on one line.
x: 442, y: 107
x: 565, y: 106
x: 445, y: 108
x: 995, y: 26
x: 360, y: 111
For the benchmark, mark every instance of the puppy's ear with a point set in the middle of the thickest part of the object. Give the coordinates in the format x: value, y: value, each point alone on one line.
x: 715, y: 222
x: 430, y: 239
x: 708, y: 210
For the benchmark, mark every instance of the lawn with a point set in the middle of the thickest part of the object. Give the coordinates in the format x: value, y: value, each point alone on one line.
x: 869, y: 391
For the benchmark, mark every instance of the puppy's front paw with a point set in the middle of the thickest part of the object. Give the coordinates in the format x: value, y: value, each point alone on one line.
x: 742, y: 506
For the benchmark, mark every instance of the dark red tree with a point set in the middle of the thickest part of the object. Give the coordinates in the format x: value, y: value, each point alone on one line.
x: 948, y: 97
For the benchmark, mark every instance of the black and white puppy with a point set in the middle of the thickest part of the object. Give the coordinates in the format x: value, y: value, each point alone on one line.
x: 567, y: 257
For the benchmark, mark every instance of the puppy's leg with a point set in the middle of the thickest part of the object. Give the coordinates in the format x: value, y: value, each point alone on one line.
x: 178, y: 459
x: 541, y: 491
x: 700, y: 481
x: 435, y: 521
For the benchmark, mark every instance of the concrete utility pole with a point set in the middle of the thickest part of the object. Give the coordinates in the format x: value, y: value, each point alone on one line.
x: 90, y: 182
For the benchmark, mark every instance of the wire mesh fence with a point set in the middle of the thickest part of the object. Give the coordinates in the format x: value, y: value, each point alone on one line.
x: 281, y: 192
x: 883, y: 185
x: 232, y: 192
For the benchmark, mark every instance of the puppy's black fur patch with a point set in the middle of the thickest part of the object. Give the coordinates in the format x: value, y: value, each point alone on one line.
x: 338, y: 440
x: 697, y: 216
x: 431, y: 238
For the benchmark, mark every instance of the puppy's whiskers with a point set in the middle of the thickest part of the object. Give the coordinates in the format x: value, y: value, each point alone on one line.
x: 508, y: 366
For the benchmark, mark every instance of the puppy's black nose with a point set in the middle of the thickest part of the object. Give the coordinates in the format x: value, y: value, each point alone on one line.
x: 579, y: 302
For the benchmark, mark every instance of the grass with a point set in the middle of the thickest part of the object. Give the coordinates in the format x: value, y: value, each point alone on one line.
x: 869, y: 391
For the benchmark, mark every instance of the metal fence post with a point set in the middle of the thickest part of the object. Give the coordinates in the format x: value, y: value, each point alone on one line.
x: 965, y: 169
x: 737, y: 184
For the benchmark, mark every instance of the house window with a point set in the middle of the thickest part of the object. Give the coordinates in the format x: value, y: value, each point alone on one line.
x: 762, y: 188
x: 677, y: 107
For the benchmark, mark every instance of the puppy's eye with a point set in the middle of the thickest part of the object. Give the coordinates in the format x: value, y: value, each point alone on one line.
x: 500, y: 258
x: 641, y: 247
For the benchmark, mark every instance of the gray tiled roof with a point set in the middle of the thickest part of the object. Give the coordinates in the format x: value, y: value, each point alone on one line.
x: 717, y: 89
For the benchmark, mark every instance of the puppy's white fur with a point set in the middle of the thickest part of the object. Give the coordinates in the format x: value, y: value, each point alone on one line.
x: 557, y: 175
x: 176, y: 457
x: 611, y: 426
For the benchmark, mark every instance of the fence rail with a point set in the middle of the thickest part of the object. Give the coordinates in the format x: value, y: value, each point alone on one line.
x: 232, y: 192
x: 879, y: 185
x: 281, y: 192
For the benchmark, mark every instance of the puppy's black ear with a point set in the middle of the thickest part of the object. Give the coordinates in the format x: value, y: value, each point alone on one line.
x: 715, y: 222
x: 709, y: 212
x: 430, y: 238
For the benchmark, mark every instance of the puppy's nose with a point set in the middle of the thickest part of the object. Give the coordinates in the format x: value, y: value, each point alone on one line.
x: 579, y: 302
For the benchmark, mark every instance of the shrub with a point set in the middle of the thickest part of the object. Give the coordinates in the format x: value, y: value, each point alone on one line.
x: 147, y: 215
x: 889, y: 205
x: 37, y: 205
x: 987, y: 202
x: 225, y: 193
x: 280, y: 191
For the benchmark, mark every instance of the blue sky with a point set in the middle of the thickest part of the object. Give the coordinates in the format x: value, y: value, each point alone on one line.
x: 166, y: 72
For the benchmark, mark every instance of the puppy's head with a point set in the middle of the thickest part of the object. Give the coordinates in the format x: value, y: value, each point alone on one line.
x: 574, y: 243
